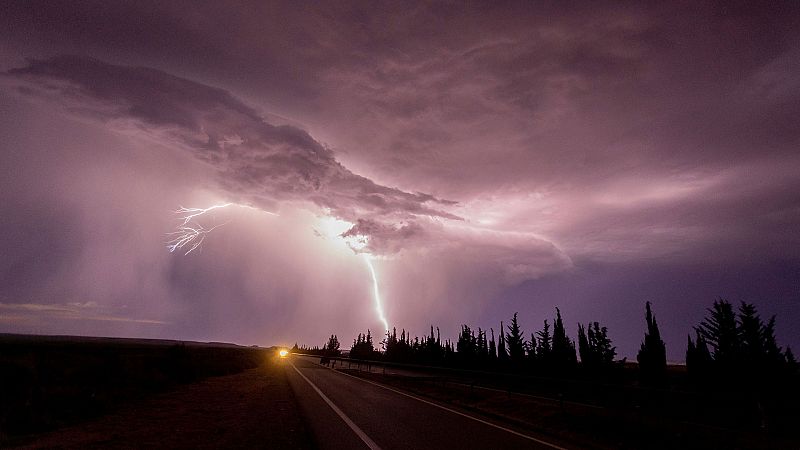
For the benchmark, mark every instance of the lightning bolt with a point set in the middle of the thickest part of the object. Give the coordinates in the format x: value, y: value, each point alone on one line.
x: 190, y: 233
x: 377, y: 293
x: 191, y: 213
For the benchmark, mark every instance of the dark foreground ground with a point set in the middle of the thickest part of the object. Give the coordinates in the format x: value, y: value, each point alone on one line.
x: 253, y: 409
x: 100, y: 393
x: 93, y: 392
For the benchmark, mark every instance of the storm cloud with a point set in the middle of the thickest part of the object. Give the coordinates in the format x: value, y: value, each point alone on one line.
x: 499, y: 158
x: 258, y: 163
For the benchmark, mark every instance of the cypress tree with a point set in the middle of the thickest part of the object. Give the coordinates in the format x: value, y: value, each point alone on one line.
x: 791, y: 362
x: 751, y: 350
x: 601, y: 345
x: 544, y: 343
x: 516, y: 343
x: 466, y: 346
x: 652, y: 354
x: 721, y: 332
x: 482, y: 346
x: 532, y: 348
x: 492, y: 347
x: 563, y: 352
x: 502, y: 354
x: 698, y: 358
x: 772, y: 352
x: 583, y: 347
x: 595, y: 347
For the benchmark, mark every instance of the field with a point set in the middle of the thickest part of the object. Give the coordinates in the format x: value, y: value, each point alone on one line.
x: 95, y: 391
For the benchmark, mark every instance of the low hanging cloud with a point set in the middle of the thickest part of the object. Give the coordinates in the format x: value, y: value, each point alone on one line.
x: 519, y: 255
x: 266, y: 165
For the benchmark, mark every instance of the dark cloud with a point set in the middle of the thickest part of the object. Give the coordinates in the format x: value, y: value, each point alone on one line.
x: 257, y: 162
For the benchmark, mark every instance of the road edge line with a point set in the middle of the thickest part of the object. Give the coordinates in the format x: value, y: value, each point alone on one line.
x: 358, y: 431
x: 499, y: 427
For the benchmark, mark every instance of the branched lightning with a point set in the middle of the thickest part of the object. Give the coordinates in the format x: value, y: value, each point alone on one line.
x: 190, y: 213
x: 378, y: 305
x: 192, y: 234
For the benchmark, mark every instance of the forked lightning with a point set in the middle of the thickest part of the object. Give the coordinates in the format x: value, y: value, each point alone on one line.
x: 191, y: 234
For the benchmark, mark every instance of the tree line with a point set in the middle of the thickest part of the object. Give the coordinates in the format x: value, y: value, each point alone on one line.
x: 729, y: 341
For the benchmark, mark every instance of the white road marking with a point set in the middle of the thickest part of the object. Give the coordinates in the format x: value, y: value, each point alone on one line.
x: 548, y: 444
x: 358, y: 431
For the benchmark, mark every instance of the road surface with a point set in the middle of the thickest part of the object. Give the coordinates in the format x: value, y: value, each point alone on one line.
x: 346, y: 412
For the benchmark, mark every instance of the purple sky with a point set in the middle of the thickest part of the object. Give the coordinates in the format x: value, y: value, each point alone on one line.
x: 489, y: 159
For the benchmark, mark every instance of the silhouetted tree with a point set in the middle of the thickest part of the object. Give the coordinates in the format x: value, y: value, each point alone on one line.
x: 466, y: 346
x: 595, y: 347
x: 652, y: 354
x: 720, y: 331
x: 791, y: 362
x: 745, y: 351
x: 331, y: 349
x: 531, y: 348
x: 544, y: 344
x: 397, y: 349
x: 698, y: 358
x: 362, y: 347
x: 601, y: 345
x: 583, y: 346
x: 482, y: 347
x: 516, y: 343
x: 502, y: 354
x: 449, y: 354
x: 760, y: 356
x: 563, y: 351
x: 430, y: 350
x: 772, y: 352
x: 492, y: 348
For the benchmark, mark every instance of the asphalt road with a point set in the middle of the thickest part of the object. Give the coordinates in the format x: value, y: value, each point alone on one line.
x: 346, y: 412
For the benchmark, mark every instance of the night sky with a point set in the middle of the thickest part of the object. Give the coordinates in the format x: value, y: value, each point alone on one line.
x: 485, y: 159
